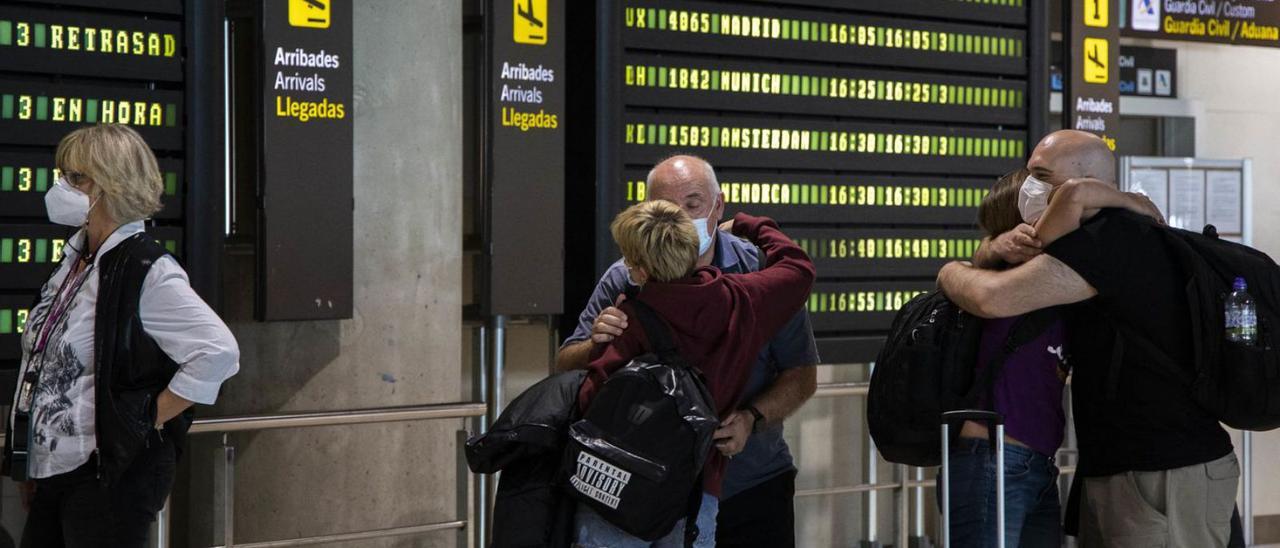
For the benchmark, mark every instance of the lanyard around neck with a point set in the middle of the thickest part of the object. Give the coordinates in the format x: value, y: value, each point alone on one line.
x: 61, y: 305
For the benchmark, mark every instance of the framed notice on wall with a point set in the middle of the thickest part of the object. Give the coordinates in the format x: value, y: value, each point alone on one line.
x: 1194, y: 192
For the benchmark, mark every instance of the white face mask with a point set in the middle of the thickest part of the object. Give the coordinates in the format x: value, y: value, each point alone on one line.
x: 66, y: 205
x: 1033, y: 199
x: 704, y: 237
x: 704, y: 234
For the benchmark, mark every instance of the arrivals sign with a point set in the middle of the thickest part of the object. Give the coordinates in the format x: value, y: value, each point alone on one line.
x: 1245, y: 22
x: 525, y: 154
x: 1092, y: 97
x: 306, y: 230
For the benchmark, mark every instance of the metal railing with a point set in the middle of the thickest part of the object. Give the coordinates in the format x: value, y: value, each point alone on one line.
x: 911, y: 526
x: 467, y: 504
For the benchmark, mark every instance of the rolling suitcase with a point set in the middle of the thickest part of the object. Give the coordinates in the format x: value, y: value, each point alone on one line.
x: 995, y: 426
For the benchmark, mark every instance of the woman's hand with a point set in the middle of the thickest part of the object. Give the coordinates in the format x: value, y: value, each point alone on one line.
x: 168, y: 406
x: 1142, y: 205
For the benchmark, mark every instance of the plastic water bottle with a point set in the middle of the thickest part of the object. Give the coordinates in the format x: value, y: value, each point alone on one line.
x: 1242, y: 315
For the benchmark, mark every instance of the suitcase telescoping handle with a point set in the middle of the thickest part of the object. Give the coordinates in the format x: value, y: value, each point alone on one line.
x: 997, y: 440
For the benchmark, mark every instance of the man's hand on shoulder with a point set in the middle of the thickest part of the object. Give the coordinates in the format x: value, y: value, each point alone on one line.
x: 610, y: 323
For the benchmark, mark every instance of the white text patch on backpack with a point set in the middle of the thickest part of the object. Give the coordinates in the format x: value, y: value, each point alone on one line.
x: 600, y: 480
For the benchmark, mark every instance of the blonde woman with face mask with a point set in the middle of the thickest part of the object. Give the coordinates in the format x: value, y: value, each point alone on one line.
x: 115, y: 353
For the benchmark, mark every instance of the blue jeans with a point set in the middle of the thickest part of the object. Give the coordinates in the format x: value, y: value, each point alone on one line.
x: 1032, y: 513
x: 595, y: 532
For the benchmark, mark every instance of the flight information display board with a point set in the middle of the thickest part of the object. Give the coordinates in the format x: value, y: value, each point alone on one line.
x: 40, y: 113
x: 870, y: 130
x: 70, y: 64
x: 25, y: 177
x: 90, y: 44
x: 29, y: 253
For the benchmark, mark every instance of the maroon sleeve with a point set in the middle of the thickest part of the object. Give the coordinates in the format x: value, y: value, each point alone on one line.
x: 608, y: 358
x: 779, y: 289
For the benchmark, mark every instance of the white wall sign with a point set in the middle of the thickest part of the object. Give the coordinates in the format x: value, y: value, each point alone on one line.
x: 1154, y: 183
x: 1193, y: 192
x: 1224, y: 194
x: 1186, y: 199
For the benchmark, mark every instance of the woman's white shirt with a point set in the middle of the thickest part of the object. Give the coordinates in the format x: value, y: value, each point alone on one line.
x: 173, y: 315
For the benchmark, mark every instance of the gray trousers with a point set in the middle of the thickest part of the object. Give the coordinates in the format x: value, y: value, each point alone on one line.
x: 1186, y: 507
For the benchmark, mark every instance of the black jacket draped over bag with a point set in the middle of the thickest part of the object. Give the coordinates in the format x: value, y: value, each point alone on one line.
x: 527, y: 444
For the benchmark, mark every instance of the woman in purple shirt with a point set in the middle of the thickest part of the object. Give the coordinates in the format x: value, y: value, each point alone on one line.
x: 1028, y: 389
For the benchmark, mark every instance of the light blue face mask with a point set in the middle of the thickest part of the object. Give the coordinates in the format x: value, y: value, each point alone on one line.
x: 704, y: 236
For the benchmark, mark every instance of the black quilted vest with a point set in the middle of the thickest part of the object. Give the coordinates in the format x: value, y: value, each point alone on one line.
x: 130, y: 369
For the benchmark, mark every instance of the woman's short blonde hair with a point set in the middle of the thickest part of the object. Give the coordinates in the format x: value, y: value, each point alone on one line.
x: 659, y: 237
x: 120, y: 163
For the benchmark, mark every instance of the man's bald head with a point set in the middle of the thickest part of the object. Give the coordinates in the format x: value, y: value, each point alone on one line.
x: 682, y: 170
x: 1071, y: 154
x: 689, y: 182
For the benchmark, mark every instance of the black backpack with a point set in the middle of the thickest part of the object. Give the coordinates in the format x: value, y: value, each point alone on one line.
x: 926, y: 367
x: 1238, y: 385
x: 636, y: 456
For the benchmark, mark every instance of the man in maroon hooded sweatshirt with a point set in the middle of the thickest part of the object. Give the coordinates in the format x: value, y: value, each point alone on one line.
x: 718, y: 321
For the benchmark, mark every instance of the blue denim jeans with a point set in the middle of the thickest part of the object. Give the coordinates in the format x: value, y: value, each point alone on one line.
x: 1032, y: 512
x: 595, y: 532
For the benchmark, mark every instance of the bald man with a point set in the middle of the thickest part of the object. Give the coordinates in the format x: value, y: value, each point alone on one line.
x: 1062, y: 155
x: 1157, y: 470
x: 756, y: 506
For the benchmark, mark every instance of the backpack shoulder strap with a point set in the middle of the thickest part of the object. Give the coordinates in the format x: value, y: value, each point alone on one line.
x: 655, y: 329
x: 1033, y: 324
